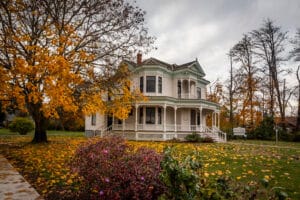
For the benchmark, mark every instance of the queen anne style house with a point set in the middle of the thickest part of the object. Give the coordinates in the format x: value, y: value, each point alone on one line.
x: 176, y: 105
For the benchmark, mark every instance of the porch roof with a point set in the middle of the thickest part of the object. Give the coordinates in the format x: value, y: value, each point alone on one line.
x: 158, y: 100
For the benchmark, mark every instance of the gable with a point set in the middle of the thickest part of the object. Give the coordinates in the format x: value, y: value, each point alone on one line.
x: 196, y: 67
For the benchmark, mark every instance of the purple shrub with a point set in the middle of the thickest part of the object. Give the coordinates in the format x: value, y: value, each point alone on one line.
x: 111, y: 169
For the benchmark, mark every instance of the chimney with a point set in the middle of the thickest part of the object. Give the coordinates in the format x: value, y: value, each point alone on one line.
x: 139, y: 58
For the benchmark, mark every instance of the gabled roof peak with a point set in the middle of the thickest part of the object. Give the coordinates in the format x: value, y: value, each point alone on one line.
x: 172, y: 67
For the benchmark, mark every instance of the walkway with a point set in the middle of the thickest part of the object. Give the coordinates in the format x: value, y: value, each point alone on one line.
x: 13, y: 186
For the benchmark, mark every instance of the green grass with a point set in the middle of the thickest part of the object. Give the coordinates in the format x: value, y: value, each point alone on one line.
x: 6, y: 132
x: 270, y: 143
x: 245, y: 161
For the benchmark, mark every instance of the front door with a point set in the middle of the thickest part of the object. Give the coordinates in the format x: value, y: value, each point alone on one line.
x: 109, y: 122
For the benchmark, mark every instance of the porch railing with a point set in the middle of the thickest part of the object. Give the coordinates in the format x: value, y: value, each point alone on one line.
x: 156, y: 132
x: 188, y: 96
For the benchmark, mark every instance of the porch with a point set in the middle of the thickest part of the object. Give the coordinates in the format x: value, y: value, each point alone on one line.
x: 165, y: 118
x: 159, y: 135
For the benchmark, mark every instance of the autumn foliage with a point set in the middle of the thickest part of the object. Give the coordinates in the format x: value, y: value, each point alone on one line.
x: 112, y: 170
x: 64, y: 57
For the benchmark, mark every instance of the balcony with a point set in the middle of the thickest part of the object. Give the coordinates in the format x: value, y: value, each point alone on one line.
x: 188, y: 96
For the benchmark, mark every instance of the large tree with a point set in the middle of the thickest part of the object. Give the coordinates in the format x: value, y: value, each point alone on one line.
x: 269, y: 42
x: 242, y: 54
x: 63, y: 55
x: 295, y: 53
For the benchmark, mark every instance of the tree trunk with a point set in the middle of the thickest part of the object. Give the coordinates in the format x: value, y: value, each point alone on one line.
x: 41, y: 123
x: 231, y: 96
x: 298, y: 114
x: 40, y: 134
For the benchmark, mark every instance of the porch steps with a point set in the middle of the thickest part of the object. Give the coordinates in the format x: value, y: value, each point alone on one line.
x: 215, y: 137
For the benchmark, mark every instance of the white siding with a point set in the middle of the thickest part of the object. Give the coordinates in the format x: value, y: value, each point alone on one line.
x: 170, y: 115
x: 100, y: 122
x: 185, y: 117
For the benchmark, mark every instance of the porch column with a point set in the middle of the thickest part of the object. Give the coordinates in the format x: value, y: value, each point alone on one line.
x: 165, y: 109
x: 175, y: 118
x: 212, y: 118
x: 200, y: 109
x: 123, y: 125
x: 215, y: 113
x: 219, y: 120
x: 189, y: 88
x: 136, y: 119
x: 113, y: 122
x: 144, y: 116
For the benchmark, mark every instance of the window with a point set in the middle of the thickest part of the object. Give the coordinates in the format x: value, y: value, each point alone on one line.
x: 159, y: 115
x: 150, y: 115
x: 141, y: 121
x: 198, y: 93
x: 93, y: 122
x: 142, y: 84
x: 179, y: 88
x: 150, y: 81
x: 159, y: 84
x: 198, y: 118
x: 130, y: 112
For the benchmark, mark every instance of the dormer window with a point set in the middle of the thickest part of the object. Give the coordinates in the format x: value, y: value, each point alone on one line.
x: 150, y: 83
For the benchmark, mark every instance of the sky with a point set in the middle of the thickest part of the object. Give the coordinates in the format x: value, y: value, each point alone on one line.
x: 207, y: 29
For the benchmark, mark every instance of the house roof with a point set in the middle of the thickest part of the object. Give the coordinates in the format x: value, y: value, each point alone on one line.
x: 172, y: 67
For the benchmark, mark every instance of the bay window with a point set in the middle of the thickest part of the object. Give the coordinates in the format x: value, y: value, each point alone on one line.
x: 150, y: 83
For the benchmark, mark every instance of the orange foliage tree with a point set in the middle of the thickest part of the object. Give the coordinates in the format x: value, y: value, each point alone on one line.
x: 63, y: 55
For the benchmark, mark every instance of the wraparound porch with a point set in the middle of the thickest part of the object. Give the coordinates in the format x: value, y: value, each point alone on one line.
x: 165, y: 118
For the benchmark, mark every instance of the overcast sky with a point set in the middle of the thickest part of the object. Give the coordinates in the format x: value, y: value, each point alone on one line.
x: 189, y: 29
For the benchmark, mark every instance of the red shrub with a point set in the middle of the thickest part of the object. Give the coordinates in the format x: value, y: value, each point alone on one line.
x: 111, y: 170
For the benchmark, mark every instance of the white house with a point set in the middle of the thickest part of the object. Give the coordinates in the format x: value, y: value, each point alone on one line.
x: 176, y: 105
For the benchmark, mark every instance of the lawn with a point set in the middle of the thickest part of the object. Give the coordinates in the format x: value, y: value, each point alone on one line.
x: 45, y: 166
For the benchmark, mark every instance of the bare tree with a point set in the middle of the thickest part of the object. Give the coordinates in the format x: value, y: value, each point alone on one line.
x: 298, y: 113
x: 243, y: 55
x: 269, y: 43
x: 231, y: 91
x: 295, y: 54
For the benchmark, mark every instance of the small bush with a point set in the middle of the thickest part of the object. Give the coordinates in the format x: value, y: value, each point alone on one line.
x: 207, y: 139
x: 181, y: 177
x: 296, y: 137
x: 194, y: 137
x: 111, y: 169
x: 265, y: 131
x: 22, y: 125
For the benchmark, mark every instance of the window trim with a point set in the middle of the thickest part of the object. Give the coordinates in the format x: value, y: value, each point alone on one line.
x: 150, y: 115
x: 159, y: 83
x: 199, y: 91
x: 179, y: 88
x: 93, y: 119
x: 159, y: 115
x: 141, y: 84
x: 148, y: 84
